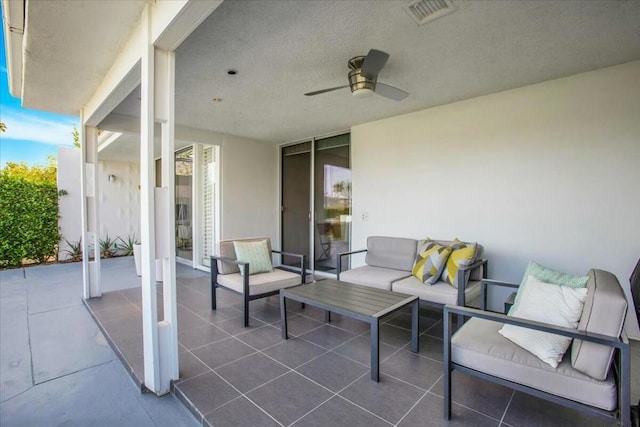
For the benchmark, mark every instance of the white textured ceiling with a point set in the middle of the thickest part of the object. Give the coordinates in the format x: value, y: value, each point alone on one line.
x: 69, y: 46
x: 283, y: 49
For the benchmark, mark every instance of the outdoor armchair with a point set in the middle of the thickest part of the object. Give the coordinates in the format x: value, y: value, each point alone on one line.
x: 226, y: 272
x: 593, y: 376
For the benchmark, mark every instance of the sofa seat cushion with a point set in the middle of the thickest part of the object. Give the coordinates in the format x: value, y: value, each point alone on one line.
x: 261, y: 283
x: 439, y: 293
x: 375, y: 277
x: 478, y: 345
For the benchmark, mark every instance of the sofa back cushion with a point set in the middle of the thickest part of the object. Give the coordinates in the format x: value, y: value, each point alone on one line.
x: 604, y: 313
x: 227, y: 250
x: 391, y: 252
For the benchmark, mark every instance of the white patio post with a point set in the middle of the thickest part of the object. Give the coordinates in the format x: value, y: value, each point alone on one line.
x: 90, y: 206
x: 156, y: 209
x: 165, y: 213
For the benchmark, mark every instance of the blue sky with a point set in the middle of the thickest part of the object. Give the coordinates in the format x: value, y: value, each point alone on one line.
x: 31, y: 135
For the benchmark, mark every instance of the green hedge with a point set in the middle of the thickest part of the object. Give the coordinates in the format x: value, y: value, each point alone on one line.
x: 28, y: 220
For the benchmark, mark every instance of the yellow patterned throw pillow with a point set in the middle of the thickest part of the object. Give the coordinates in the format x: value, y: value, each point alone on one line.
x: 463, y: 254
x: 430, y: 262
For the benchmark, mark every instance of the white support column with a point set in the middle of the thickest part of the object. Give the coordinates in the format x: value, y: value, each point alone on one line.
x: 147, y: 211
x: 165, y: 114
x: 158, y: 217
x: 89, y: 206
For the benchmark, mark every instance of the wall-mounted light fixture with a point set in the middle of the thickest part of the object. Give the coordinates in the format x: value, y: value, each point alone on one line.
x: 112, y: 178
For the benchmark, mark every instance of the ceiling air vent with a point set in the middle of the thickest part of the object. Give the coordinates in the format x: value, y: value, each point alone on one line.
x: 423, y: 11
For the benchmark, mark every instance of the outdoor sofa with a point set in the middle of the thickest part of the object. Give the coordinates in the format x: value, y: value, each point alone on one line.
x: 389, y: 262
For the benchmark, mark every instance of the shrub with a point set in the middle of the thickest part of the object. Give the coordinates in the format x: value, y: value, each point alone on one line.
x: 74, y: 250
x: 107, y: 247
x: 125, y: 247
x: 28, y: 219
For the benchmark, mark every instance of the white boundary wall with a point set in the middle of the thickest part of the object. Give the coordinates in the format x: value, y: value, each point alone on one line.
x: 119, y: 199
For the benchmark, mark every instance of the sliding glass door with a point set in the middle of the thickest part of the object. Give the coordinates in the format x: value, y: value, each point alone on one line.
x: 296, y: 199
x: 316, y: 201
x: 332, y: 201
x: 184, y: 203
x: 197, y: 204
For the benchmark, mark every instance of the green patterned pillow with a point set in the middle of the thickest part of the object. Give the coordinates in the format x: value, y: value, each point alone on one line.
x: 430, y: 262
x: 548, y: 275
x: 463, y: 254
x: 256, y: 254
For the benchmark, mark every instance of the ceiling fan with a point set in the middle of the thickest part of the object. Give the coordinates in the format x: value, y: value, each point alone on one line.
x: 364, y: 75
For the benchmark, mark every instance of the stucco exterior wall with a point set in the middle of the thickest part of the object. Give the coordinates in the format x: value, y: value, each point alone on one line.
x: 119, y: 199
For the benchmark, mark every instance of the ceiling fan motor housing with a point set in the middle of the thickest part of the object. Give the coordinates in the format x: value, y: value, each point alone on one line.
x: 360, y: 84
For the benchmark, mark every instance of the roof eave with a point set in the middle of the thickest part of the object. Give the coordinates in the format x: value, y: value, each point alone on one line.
x: 13, y: 23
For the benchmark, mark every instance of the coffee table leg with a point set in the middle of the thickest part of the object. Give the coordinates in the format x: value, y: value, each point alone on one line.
x: 375, y: 350
x: 283, y: 315
x: 415, y: 310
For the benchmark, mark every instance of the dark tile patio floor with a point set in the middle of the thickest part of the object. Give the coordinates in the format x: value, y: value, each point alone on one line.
x: 236, y: 376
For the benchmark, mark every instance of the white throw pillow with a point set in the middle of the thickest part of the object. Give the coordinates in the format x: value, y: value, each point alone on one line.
x: 547, y: 303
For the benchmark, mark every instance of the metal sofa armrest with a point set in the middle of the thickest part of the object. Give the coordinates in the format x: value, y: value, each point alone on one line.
x: 476, y: 264
x: 340, y: 260
x: 242, y: 264
x: 303, y: 276
x: 486, y: 282
x: 462, y: 272
x: 231, y: 260
x: 449, y: 310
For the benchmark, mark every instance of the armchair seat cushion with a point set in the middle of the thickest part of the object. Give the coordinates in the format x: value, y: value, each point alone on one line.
x: 375, y: 277
x: 478, y: 345
x: 260, y: 283
x: 440, y: 292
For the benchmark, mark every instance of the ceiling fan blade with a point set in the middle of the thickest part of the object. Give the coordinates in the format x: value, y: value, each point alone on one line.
x: 390, y: 92
x: 318, y: 92
x: 373, y: 63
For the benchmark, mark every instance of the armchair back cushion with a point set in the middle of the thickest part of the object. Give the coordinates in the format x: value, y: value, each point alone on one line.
x: 391, y: 252
x: 227, y: 250
x: 603, y: 313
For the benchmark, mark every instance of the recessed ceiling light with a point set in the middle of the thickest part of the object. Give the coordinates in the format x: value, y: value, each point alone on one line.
x: 217, y: 100
x: 232, y: 72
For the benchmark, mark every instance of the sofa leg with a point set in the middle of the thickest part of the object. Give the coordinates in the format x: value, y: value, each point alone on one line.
x: 213, y: 297
x: 447, y: 364
x: 246, y: 312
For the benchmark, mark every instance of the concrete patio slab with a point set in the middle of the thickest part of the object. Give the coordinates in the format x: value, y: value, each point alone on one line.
x: 15, y: 356
x: 65, y: 341
x: 103, y: 395
x: 55, y: 365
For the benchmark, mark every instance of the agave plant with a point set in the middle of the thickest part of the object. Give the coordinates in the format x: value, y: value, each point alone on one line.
x: 125, y: 247
x: 107, y: 247
x: 74, y: 250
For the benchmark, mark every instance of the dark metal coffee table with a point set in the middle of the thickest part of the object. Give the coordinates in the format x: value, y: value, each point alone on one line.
x: 355, y: 301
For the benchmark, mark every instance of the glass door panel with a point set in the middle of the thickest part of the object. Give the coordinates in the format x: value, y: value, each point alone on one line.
x: 184, y: 203
x: 209, y: 177
x: 332, y: 201
x: 296, y: 185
